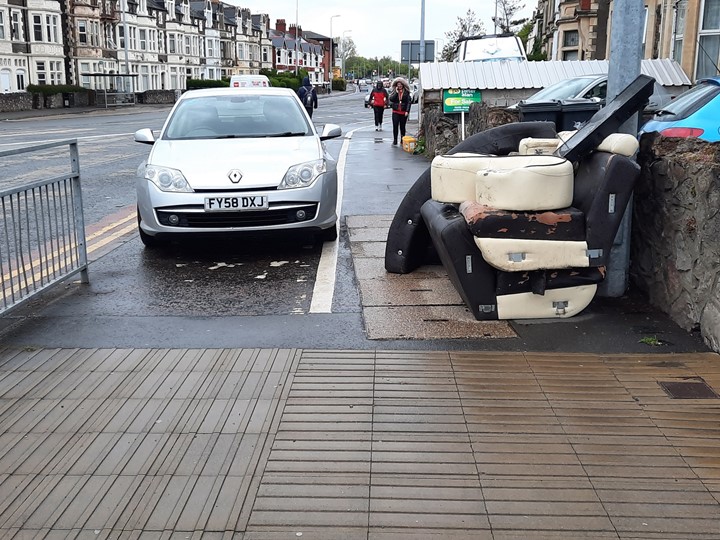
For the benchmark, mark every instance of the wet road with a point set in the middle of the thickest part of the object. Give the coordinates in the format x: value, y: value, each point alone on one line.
x: 248, y: 276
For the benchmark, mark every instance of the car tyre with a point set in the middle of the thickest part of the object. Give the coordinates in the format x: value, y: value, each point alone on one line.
x: 150, y: 242
x: 328, y: 235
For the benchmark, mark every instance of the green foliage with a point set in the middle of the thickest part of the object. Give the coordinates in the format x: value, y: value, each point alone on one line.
x: 653, y: 341
x: 339, y: 84
x: 50, y: 89
x: 468, y: 26
x: 420, y: 146
x: 284, y: 79
x: 194, y: 84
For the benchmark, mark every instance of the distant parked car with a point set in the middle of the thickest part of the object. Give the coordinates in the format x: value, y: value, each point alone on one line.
x: 592, y: 87
x: 694, y: 113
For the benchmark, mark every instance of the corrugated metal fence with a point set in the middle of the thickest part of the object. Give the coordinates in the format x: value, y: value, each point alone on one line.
x: 42, y: 232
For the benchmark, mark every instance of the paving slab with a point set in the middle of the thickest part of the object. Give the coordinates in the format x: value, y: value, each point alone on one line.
x: 379, y: 444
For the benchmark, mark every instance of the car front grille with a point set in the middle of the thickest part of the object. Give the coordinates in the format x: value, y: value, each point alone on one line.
x: 261, y: 218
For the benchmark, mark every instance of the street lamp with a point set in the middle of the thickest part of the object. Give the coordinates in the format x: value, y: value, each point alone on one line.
x: 297, y: 36
x: 332, y: 49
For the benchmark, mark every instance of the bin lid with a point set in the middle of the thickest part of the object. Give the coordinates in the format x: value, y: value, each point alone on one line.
x: 539, y: 106
x: 580, y: 105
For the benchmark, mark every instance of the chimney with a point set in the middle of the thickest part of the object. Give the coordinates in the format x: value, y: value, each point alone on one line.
x: 294, y: 31
x: 280, y: 25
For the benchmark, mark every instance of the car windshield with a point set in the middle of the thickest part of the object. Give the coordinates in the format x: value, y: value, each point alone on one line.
x: 237, y: 116
x: 565, y: 89
x: 691, y: 99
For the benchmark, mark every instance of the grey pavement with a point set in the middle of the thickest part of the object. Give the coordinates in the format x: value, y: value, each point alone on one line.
x: 572, y: 429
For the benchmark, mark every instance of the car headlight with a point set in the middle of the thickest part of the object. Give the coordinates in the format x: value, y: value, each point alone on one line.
x: 303, y: 174
x: 167, y: 179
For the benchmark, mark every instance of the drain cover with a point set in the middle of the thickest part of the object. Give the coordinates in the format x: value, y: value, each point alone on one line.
x: 697, y: 389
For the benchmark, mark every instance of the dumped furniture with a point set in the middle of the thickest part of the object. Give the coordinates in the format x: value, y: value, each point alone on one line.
x: 524, y: 231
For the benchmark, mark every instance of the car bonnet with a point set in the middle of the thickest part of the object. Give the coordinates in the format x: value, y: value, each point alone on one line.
x: 262, y: 162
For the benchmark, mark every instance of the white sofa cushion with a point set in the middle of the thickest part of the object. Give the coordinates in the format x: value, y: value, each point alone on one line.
x: 554, y: 304
x: 521, y: 254
x: 538, y: 182
x: 620, y: 143
x: 531, y: 146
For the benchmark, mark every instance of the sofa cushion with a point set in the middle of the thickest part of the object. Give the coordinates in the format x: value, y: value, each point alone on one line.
x: 538, y: 182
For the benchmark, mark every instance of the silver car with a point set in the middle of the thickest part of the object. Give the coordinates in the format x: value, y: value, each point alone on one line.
x: 591, y: 87
x: 234, y: 160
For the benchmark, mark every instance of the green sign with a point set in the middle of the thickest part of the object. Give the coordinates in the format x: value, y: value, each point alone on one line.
x: 456, y: 100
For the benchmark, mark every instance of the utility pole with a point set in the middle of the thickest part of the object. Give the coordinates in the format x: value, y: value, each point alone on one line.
x: 422, y: 33
x: 623, y: 68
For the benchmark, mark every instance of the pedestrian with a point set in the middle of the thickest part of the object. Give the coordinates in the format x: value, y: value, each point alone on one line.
x: 400, y: 105
x: 379, y: 100
x: 308, y: 96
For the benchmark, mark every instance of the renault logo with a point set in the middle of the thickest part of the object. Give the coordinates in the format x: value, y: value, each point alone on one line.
x: 235, y: 176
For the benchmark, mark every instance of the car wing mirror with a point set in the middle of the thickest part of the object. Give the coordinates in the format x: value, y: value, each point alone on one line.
x: 144, y: 136
x: 330, y: 131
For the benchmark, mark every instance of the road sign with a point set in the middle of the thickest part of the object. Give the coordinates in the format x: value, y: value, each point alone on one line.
x: 456, y: 100
x: 410, y: 51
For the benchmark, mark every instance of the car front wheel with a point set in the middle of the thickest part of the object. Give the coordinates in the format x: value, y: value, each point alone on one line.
x: 148, y: 240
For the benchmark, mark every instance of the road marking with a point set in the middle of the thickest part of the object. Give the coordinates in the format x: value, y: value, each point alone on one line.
x: 324, y: 288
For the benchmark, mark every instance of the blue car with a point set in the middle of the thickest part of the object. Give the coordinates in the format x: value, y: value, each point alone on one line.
x: 694, y: 113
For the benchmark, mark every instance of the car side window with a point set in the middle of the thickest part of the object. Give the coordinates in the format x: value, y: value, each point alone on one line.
x: 598, y: 91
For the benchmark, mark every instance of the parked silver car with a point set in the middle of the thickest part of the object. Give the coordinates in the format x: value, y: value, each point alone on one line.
x: 593, y: 87
x: 237, y: 159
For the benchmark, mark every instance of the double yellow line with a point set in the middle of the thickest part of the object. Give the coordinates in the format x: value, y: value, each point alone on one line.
x: 12, y: 280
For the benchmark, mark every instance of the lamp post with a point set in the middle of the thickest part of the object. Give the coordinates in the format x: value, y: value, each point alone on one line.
x: 332, y: 49
x: 297, y: 36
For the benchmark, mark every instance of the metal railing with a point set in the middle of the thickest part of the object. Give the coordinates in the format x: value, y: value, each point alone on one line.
x: 42, y: 231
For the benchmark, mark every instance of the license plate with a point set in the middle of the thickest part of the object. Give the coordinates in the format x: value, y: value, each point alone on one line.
x: 236, y: 204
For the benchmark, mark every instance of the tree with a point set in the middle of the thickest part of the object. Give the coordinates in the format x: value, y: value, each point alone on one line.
x: 505, y: 11
x: 347, y: 49
x: 467, y: 26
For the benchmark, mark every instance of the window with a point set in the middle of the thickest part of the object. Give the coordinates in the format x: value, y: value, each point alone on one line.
x: 679, y: 30
x: 171, y: 43
x: 16, y: 28
x: 187, y: 45
x: 41, y: 73
x: 51, y: 28
x: 265, y: 54
x: 143, y: 39
x: 121, y: 36
x: 2, y: 24
x: 20, y: 78
x: 55, y: 72
x: 709, y: 40
x: 84, y: 77
x: 571, y: 38
x: 570, y: 55
x: 37, y: 28
x: 82, y: 32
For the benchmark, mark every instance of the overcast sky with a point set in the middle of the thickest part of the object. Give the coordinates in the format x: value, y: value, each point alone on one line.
x: 377, y: 26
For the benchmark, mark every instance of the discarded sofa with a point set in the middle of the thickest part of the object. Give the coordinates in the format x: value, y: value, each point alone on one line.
x: 522, y: 218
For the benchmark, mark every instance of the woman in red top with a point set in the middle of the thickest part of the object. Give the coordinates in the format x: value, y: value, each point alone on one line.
x: 378, y: 101
x: 400, y: 104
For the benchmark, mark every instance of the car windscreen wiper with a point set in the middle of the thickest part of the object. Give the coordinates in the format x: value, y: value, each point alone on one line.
x: 288, y: 134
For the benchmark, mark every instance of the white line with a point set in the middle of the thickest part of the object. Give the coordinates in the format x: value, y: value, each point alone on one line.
x: 324, y: 289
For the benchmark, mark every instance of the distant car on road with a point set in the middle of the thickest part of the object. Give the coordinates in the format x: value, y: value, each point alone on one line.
x: 694, y: 113
x: 232, y: 160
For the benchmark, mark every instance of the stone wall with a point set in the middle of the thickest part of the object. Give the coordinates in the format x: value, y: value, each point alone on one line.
x: 675, y: 247
x: 16, y: 101
x: 442, y: 131
x: 157, y: 97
